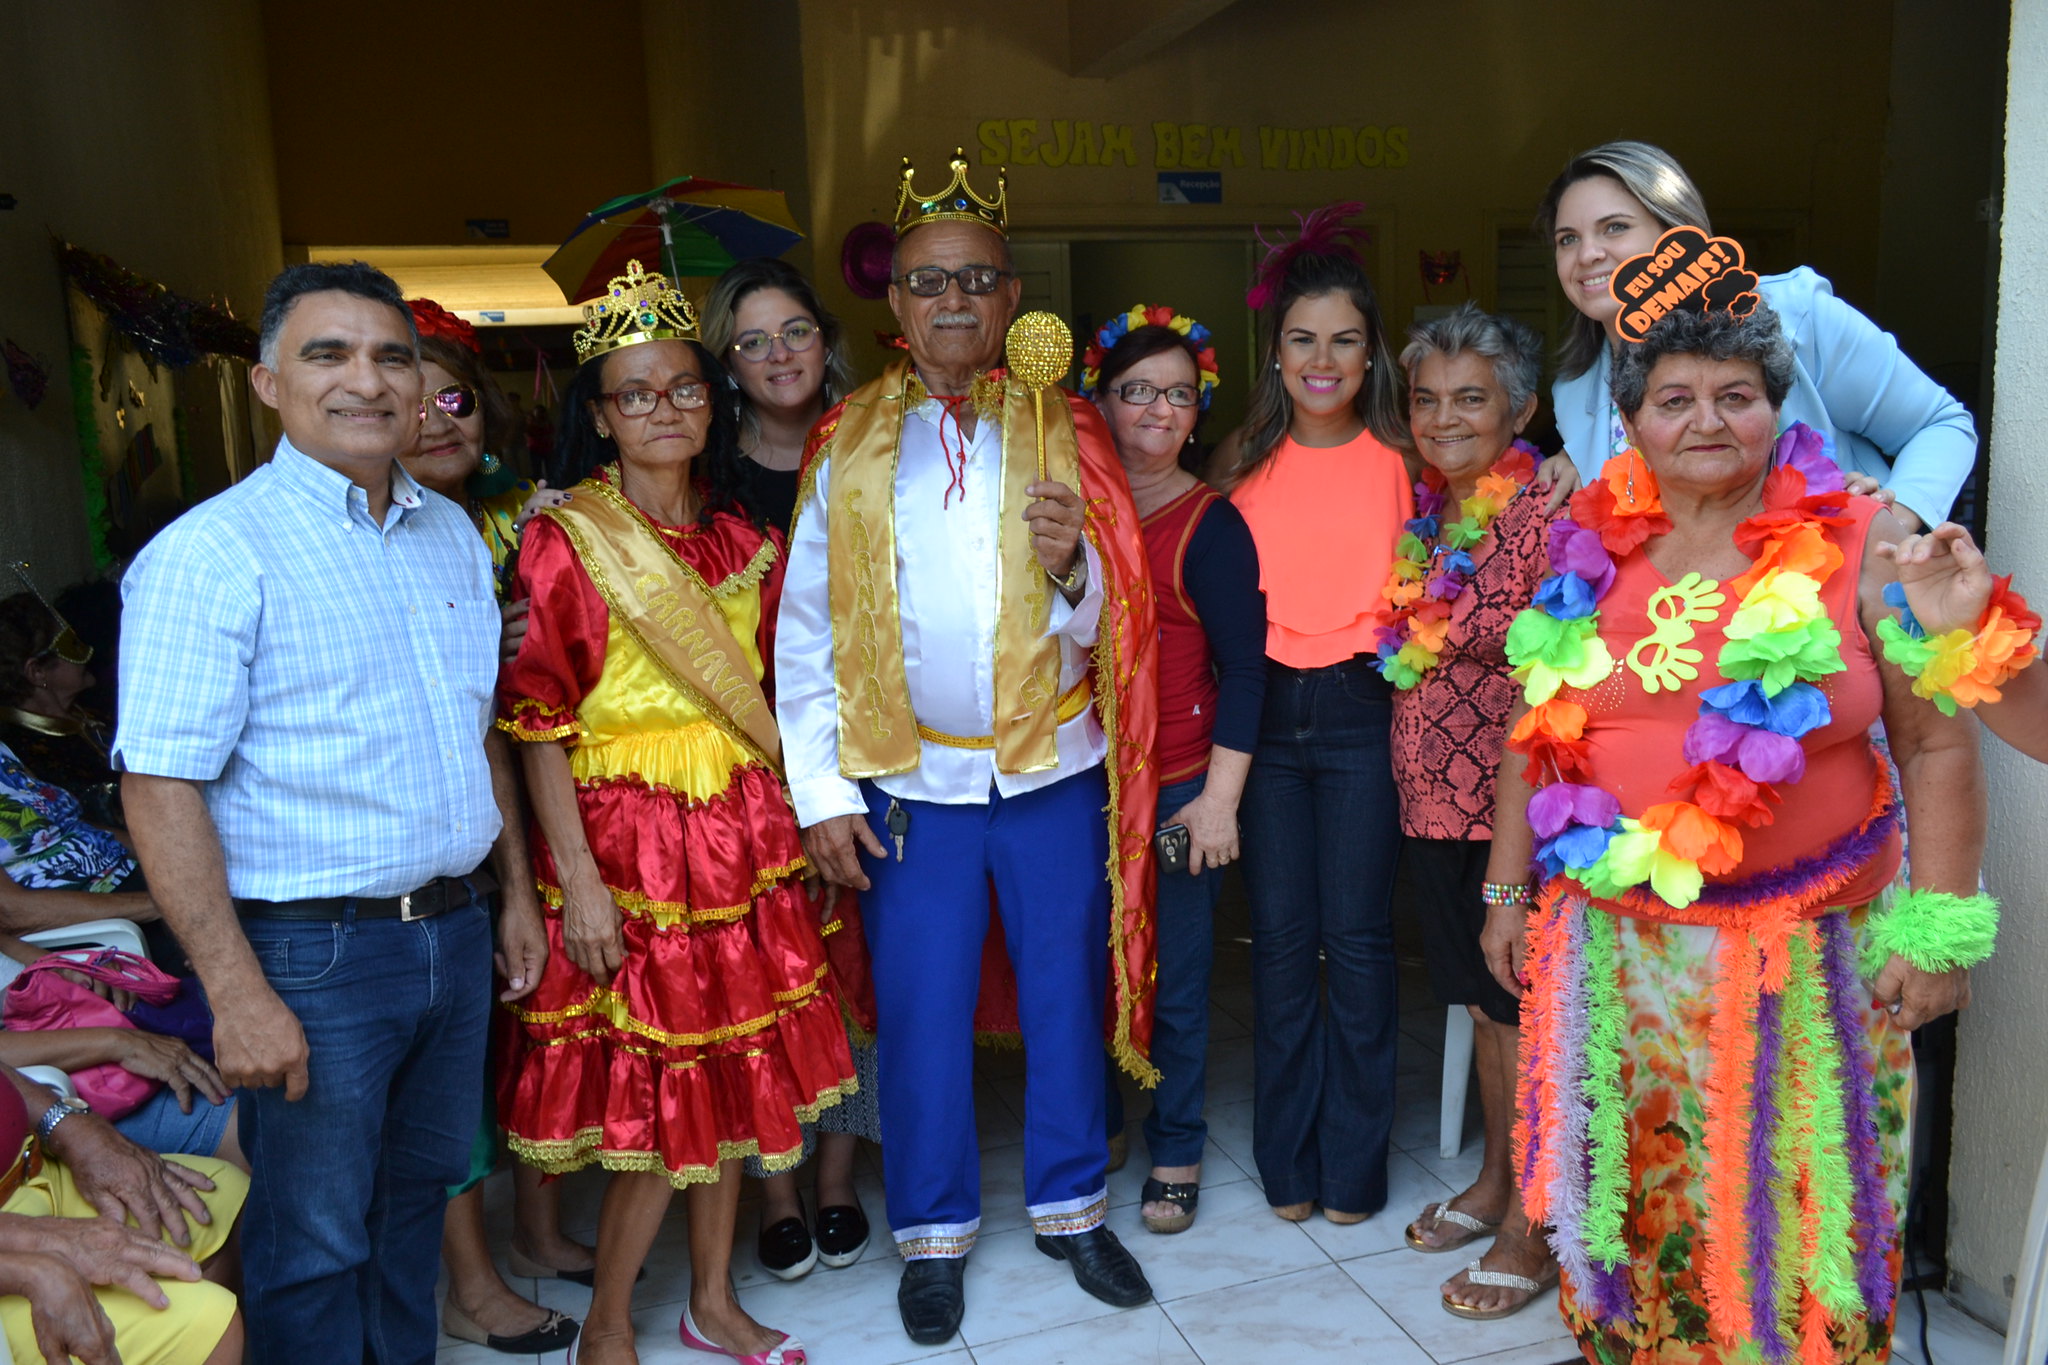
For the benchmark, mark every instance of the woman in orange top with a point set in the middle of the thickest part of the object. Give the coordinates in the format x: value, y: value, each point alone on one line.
x: 1320, y: 474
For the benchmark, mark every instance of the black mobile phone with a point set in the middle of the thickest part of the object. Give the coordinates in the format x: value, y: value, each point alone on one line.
x: 1172, y: 843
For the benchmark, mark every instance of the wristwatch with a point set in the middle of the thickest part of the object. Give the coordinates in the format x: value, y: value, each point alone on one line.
x: 63, y: 1109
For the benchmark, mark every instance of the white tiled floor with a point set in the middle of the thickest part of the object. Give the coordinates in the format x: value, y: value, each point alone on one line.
x: 1239, y: 1288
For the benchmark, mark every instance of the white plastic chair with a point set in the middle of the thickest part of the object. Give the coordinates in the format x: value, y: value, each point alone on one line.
x: 96, y: 933
x: 93, y: 933
x: 2026, y: 1331
x: 53, y: 1078
x: 1457, y: 1074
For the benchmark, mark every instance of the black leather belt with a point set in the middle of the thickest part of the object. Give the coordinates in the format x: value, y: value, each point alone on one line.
x: 436, y: 897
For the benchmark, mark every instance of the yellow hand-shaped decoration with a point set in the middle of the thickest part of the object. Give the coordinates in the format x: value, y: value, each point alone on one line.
x: 1672, y: 611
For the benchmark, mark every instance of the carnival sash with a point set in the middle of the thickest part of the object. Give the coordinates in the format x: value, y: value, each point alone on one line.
x: 671, y: 613
x: 877, y: 730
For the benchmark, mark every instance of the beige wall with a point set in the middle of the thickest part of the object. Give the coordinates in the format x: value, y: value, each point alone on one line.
x: 142, y: 131
x: 395, y: 127
x: 725, y: 100
x: 2002, y: 1069
x: 1493, y: 95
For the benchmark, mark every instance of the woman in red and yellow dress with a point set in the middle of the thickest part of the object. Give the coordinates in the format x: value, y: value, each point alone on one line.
x: 686, y: 1019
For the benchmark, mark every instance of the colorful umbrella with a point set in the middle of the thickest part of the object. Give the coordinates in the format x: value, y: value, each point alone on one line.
x: 687, y: 227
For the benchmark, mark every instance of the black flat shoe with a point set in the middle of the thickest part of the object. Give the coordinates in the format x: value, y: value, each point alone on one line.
x: 786, y: 1250
x: 555, y: 1334
x: 932, y: 1298
x: 1101, y: 1266
x: 842, y: 1235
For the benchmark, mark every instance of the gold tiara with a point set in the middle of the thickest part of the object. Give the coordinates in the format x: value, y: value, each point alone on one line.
x: 958, y: 203
x: 638, y: 307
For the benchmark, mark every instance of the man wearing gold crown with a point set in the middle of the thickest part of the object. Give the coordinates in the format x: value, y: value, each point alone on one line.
x: 964, y: 669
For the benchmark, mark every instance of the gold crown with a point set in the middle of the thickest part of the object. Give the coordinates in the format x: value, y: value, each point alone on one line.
x: 638, y: 307
x: 958, y: 203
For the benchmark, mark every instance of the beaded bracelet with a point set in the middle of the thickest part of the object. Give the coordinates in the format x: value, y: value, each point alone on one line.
x: 1504, y: 893
x: 1933, y: 930
x: 1962, y: 667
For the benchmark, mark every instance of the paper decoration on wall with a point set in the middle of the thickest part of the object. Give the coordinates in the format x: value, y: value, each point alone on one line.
x: 1686, y: 271
x: 25, y: 374
x: 166, y: 328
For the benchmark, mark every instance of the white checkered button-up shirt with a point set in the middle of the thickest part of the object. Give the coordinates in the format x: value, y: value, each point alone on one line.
x: 329, y: 681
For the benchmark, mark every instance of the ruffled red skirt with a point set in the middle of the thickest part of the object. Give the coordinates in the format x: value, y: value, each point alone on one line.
x: 721, y: 1033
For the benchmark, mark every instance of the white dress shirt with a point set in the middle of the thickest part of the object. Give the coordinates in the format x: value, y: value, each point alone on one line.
x: 948, y: 591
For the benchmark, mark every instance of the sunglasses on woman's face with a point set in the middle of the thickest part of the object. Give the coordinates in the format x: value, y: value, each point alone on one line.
x: 456, y: 400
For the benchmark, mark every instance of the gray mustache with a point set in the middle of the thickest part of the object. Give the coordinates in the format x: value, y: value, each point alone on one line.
x: 953, y: 319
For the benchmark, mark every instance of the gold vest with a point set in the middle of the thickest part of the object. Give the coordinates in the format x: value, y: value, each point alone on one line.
x: 878, y: 734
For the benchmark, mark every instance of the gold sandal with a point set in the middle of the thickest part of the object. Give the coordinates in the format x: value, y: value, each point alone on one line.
x: 1435, y: 1216
x: 1500, y: 1279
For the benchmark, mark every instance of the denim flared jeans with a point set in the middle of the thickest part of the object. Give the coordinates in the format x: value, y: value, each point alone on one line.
x: 1322, y: 837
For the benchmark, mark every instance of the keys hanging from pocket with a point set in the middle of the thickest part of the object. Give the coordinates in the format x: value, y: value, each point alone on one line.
x: 898, y: 821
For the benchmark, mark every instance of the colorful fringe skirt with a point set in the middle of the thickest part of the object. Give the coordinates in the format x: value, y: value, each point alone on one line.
x: 1715, y: 1127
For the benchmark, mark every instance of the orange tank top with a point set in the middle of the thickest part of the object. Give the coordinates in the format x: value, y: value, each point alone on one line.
x: 1636, y: 738
x: 1325, y: 521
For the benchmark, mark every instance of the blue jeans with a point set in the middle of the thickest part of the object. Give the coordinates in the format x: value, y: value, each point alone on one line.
x: 342, y: 1232
x: 1321, y: 840
x: 1185, y: 912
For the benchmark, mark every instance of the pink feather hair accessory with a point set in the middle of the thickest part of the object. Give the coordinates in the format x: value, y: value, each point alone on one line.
x: 1322, y: 233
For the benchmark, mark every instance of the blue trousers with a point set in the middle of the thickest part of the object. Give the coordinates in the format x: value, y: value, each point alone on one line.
x: 1046, y: 854
x: 342, y: 1233
x: 1322, y: 837
x: 1185, y: 912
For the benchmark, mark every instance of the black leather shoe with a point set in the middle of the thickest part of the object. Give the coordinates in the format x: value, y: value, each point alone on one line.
x: 932, y: 1298
x: 842, y: 1235
x: 786, y: 1250
x: 1101, y: 1266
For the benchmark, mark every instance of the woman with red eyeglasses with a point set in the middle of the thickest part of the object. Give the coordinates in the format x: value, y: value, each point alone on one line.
x: 468, y: 439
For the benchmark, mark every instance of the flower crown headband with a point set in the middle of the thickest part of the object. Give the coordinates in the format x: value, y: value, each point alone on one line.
x: 1152, y: 315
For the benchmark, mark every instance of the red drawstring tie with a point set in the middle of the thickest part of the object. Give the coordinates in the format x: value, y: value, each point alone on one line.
x: 956, y: 455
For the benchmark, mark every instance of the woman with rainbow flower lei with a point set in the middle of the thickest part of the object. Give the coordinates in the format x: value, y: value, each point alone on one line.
x: 1716, y: 1066
x: 1152, y: 371
x: 1468, y: 561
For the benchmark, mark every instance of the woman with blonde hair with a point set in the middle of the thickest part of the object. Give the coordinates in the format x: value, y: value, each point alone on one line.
x: 1885, y: 421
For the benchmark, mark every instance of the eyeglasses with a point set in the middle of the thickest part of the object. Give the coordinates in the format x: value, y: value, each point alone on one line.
x: 797, y: 336
x: 457, y: 400
x: 1140, y: 394
x: 929, y: 281
x: 641, y: 402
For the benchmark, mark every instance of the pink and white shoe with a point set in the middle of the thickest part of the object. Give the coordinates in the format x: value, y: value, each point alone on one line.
x: 788, y: 1351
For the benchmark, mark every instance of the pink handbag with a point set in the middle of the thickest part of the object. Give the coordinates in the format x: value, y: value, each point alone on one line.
x: 40, y: 999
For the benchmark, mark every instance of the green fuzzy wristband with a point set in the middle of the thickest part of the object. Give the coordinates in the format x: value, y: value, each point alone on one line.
x: 1933, y: 930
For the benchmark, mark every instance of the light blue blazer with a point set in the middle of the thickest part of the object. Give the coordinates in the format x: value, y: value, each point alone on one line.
x: 1852, y: 383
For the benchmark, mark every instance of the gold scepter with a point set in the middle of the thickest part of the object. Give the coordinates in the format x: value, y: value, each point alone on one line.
x: 1040, y: 350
